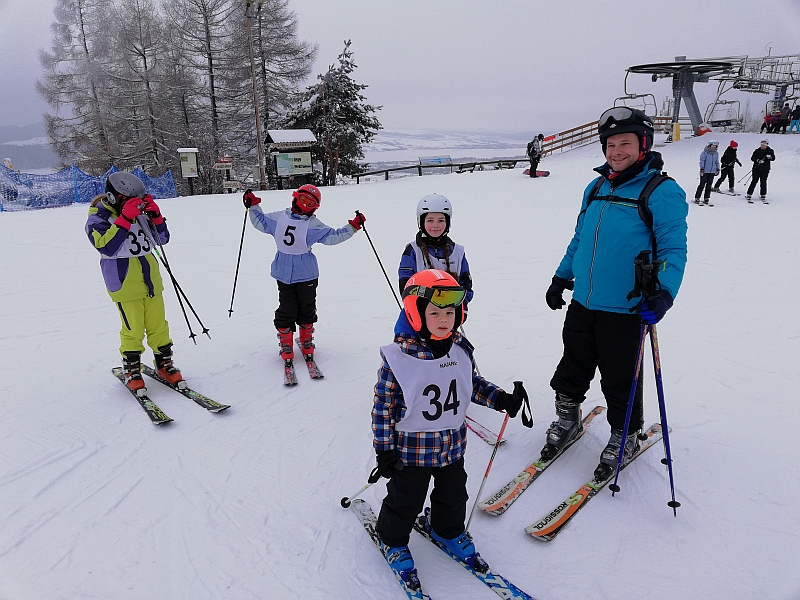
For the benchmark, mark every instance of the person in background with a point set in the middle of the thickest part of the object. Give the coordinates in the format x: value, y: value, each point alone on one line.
x: 535, y: 153
x: 709, y: 166
x: 795, y: 124
x: 729, y: 160
x: 762, y: 159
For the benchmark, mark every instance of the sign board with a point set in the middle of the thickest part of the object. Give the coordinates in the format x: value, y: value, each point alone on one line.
x: 232, y: 183
x: 293, y: 163
x: 223, y: 166
x: 435, y: 161
x: 225, y: 159
x: 188, y: 162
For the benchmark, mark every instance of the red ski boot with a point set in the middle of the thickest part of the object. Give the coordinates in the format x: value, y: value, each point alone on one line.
x: 164, y: 367
x: 306, y: 340
x: 132, y: 367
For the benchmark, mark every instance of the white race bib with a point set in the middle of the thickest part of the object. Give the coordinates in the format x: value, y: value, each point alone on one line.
x: 436, y: 392
x: 290, y: 234
x: 453, y: 265
x: 137, y: 242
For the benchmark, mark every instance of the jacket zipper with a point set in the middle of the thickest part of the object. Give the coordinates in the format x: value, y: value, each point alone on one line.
x: 594, y: 249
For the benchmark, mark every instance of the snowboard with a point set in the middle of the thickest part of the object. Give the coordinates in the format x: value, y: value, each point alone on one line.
x: 527, y: 172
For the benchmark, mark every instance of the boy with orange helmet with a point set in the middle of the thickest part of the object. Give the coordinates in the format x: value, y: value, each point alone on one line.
x: 418, y: 420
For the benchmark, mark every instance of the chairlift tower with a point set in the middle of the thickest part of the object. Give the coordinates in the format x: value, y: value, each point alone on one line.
x: 776, y: 75
x: 684, y: 74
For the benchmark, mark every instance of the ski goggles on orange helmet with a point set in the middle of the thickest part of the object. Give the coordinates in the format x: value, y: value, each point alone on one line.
x: 443, y: 297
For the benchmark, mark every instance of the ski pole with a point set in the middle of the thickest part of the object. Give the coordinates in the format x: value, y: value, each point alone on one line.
x: 673, y: 504
x: 639, y: 356
x: 238, y: 260
x: 165, y: 262
x: 746, y: 177
x: 192, y: 334
x: 489, y: 466
x: 364, y: 227
x: 347, y: 500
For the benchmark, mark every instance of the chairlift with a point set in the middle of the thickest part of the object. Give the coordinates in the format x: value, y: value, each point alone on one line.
x: 644, y: 102
x: 725, y: 115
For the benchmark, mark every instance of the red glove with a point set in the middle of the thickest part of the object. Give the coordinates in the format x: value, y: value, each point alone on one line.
x: 357, y: 221
x: 129, y: 213
x: 151, y: 209
x: 250, y: 199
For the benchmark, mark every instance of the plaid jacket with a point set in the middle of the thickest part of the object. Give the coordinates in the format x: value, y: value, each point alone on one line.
x: 425, y: 448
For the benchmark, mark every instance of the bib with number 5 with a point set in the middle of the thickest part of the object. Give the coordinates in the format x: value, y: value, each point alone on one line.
x: 436, y: 392
x: 290, y: 234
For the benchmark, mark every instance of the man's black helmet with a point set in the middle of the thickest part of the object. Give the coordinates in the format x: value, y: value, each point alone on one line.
x: 622, y: 119
x: 122, y: 186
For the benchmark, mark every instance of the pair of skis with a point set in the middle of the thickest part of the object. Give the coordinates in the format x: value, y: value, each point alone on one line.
x: 158, y: 416
x: 289, y: 374
x: 547, y: 528
x: 410, y: 583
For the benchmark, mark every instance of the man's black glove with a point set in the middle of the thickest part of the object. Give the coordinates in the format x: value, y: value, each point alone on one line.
x: 512, y: 403
x: 554, y: 294
x: 388, y: 466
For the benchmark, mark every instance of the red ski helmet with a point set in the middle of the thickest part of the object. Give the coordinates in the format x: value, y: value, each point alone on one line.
x: 733, y: 144
x: 306, y: 199
x: 438, y: 287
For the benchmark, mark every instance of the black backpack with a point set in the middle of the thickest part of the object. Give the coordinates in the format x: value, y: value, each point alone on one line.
x: 641, y: 202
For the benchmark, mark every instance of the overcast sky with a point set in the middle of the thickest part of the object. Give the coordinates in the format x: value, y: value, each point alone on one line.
x: 473, y: 65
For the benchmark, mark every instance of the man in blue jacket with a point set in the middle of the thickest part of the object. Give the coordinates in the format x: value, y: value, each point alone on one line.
x: 602, y: 326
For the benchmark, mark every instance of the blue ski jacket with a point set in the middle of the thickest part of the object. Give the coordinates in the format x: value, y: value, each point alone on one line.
x: 610, y: 234
x: 709, y: 161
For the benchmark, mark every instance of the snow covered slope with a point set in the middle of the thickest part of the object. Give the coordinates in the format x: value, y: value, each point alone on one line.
x: 98, y: 503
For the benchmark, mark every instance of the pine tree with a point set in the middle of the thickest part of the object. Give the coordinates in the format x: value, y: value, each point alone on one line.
x: 335, y: 111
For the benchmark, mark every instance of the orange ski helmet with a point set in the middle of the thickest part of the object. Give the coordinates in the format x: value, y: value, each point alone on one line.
x: 306, y: 199
x: 438, y: 287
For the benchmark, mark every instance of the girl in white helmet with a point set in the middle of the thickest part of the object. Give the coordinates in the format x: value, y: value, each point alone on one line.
x: 432, y: 248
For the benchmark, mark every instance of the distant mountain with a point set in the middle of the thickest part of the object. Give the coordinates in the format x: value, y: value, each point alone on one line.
x: 27, y: 147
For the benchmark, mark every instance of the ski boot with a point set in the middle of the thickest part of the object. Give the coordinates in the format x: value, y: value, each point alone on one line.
x: 166, y: 369
x: 460, y: 546
x: 566, y: 428
x: 705, y: 201
x: 306, y: 341
x: 697, y: 200
x: 132, y: 367
x: 402, y: 563
x: 285, y: 343
x: 610, y: 455
x: 749, y: 198
x: 764, y: 199
x: 715, y: 188
x: 731, y: 190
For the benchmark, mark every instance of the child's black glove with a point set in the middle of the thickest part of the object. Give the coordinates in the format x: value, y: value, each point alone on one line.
x: 512, y: 403
x: 388, y: 466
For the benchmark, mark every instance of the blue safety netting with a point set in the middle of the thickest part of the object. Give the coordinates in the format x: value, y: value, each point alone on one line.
x: 25, y: 191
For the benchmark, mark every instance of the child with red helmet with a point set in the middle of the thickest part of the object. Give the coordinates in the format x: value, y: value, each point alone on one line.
x: 418, y: 420
x: 295, y: 268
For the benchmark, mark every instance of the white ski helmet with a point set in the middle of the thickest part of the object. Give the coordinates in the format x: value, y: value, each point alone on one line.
x: 434, y: 203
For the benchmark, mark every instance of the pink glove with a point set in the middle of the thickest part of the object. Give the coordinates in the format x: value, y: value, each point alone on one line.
x: 357, y: 221
x: 151, y: 209
x: 129, y: 213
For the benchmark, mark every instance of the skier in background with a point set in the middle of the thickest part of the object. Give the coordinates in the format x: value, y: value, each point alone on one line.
x: 762, y: 158
x: 432, y: 248
x: 729, y: 160
x: 535, y: 153
x: 425, y: 383
x: 131, y: 272
x: 599, y: 330
x: 795, y: 125
x: 709, y: 165
x: 294, y: 267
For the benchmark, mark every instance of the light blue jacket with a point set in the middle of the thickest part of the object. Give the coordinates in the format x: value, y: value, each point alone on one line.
x: 295, y: 268
x: 610, y: 234
x: 709, y: 161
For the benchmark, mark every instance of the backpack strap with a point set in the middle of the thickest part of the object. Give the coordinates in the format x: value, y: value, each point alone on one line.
x: 642, y: 202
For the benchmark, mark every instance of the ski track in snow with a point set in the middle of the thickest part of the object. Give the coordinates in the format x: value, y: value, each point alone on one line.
x: 244, y: 504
